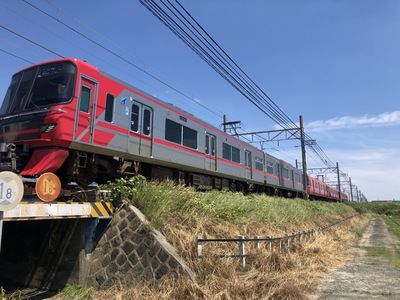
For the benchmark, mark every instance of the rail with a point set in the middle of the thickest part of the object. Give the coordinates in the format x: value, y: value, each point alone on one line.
x: 282, y: 241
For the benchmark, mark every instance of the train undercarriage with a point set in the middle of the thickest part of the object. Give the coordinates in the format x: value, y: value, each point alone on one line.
x: 86, y: 168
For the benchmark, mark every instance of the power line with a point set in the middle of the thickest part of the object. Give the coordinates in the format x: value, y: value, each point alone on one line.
x: 210, y: 51
x: 16, y: 56
x: 117, y: 55
x: 29, y: 40
x: 23, y: 49
x: 180, y: 22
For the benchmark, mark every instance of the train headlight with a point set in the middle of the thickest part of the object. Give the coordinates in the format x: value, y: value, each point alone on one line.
x: 46, y: 128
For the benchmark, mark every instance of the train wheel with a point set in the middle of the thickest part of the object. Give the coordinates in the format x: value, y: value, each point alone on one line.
x: 86, y: 176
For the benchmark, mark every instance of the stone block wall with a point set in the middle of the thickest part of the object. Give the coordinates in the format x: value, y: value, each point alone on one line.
x: 130, y: 253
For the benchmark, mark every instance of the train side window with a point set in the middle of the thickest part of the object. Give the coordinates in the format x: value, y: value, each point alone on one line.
x: 247, y: 159
x: 189, y: 137
x: 212, y: 146
x: 259, y: 163
x: 109, y: 113
x: 207, y: 148
x: 297, y: 177
x: 226, y: 151
x: 236, y: 155
x: 285, y: 173
x: 146, y: 122
x: 230, y: 153
x: 85, y: 99
x: 270, y: 167
x: 135, y: 118
x: 173, y: 131
x: 179, y: 134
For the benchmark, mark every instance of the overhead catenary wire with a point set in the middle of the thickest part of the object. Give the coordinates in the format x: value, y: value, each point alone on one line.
x: 221, y: 59
x: 203, y: 45
x: 215, y: 57
x: 257, y: 89
x: 122, y: 70
x: 29, y: 40
x: 116, y: 54
x: 16, y: 56
x: 209, y: 53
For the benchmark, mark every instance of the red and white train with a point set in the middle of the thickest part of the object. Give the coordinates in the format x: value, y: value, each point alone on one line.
x: 70, y: 118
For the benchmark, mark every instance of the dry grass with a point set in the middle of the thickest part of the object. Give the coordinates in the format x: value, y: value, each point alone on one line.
x: 268, y: 275
x: 182, y: 215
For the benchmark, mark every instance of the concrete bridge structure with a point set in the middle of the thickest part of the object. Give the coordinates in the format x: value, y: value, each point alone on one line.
x: 50, y: 245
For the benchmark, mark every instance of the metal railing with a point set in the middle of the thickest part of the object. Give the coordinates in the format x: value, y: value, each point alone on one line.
x: 282, y: 242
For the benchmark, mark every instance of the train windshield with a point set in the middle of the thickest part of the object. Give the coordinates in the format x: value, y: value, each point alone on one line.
x: 40, y: 87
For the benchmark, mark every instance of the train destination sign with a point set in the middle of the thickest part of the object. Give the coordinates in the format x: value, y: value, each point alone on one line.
x: 11, y: 190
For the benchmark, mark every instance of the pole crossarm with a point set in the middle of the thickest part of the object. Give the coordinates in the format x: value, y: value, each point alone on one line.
x: 321, y: 170
x: 293, y: 134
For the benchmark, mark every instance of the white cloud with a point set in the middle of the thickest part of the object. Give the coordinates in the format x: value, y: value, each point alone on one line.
x: 373, y: 169
x: 383, y: 119
x: 366, y: 148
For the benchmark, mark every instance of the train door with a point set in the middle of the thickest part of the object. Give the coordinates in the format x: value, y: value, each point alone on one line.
x: 248, y: 164
x: 279, y: 173
x: 141, y: 130
x: 85, y: 111
x: 210, y: 151
x: 292, y: 178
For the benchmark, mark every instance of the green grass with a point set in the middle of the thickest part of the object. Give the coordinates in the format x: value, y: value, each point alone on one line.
x: 381, y: 208
x: 77, y: 292
x: 182, y: 214
x: 158, y: 200
x: 394, y: 224
x: 393, y: 257
x: 390, y: 211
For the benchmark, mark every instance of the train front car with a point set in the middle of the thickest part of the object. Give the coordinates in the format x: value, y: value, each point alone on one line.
x: 36, y: 121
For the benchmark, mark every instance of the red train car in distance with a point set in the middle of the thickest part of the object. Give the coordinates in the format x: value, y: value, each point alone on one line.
x: 319, y: 190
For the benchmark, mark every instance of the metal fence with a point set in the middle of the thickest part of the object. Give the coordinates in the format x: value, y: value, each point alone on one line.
x: 282, y: 243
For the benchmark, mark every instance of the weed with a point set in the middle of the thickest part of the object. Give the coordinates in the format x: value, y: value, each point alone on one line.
x: 393, y: 257
x: 182, y: 214
x: 385, y: 293
x: 77, y: 292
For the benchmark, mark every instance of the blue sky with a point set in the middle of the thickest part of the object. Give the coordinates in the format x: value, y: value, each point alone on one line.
x: 336, y: 63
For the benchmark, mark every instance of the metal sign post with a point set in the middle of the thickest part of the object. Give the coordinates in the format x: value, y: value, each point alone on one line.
x: 11, y: 193
x: 1, y: 228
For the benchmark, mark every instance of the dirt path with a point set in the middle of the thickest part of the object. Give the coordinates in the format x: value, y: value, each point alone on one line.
x: 365, y: 277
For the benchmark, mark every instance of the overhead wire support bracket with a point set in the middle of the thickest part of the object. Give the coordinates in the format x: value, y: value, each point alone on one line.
x: 292, y: 134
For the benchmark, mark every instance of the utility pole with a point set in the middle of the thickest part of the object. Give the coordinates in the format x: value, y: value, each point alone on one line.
x: 303, y: 157
x: 358, y: 200
x: 351, y: 190
x: 224, y: 123
x: 291, y: 134
x: 338, y: 179
x: 231, y: 124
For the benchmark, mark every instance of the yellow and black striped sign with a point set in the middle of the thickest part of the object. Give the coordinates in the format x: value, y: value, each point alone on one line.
x: 39, y: 210
x: 101, y: 209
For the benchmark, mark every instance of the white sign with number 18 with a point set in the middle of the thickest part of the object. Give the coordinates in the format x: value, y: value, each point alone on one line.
x: 11, y: 190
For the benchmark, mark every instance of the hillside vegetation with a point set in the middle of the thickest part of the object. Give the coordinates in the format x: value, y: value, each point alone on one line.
x: 182, y: 214
x: 381, y: 208
x: 389, y: 210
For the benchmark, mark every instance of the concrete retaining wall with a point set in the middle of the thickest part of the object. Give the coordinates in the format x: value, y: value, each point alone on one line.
x: 130, y: 253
